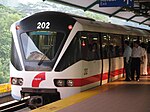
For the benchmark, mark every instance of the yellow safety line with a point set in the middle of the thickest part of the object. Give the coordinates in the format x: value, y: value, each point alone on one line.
x: 5, y: 88
x: 58, y: 105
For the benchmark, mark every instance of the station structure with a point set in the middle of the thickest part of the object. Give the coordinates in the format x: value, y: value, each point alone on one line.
x: 139, y: 12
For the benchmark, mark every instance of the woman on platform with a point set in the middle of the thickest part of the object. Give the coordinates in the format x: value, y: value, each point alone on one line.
x: 145, y: 60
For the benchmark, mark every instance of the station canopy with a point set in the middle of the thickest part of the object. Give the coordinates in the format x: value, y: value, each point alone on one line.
x: 139, y: 12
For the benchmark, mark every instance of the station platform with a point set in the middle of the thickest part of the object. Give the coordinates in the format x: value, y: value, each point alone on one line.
x: 117, y: 96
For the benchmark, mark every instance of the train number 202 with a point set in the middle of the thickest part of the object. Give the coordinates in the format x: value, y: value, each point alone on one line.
x: 43, y: 25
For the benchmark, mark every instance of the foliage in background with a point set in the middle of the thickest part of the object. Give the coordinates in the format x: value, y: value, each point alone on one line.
x: 30, y: 8
x: 7, y: 17
x: 96, y: 16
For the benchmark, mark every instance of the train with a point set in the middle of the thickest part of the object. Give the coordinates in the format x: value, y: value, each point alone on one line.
x: 55, y: 55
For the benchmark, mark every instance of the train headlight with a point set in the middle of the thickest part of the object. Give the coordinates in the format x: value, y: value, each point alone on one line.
x: 60, y: 83
x: 70, y: 83
x: 63, y: 82
x: 14, y: 81
x: 20, y: 81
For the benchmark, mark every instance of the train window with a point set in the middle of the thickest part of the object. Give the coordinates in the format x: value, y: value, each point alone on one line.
x: 131, y: 39
x: 111, y: 45
x: 115, y: 45
x: 71, y: 55
x: 90, y: 46
x: 105, y: 45
x: 128, y: 38
x: 41, y: 44
x: 144, y: 39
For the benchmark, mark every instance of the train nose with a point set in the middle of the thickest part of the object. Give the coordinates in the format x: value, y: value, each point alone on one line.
x: 35, y: 101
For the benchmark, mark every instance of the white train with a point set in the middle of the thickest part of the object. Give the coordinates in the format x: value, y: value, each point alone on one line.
x: 55, y: 55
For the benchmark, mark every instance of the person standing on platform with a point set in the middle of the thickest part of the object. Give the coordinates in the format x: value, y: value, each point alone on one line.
x: 148, y: 56
x: 137, y: 57
x: 127, y: 60
x: 145, y: 60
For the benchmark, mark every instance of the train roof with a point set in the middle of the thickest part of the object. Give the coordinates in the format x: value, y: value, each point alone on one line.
x: 93, y: 25
x: 98, y: 26
x: 89, y: 24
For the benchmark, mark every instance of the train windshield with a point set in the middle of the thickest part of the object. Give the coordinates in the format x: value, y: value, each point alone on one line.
x: 41, y: 45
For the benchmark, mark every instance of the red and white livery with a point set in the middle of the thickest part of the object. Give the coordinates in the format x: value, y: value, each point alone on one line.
x: 55, y: 55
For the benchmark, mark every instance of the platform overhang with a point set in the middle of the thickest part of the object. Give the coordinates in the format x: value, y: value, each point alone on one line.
x: 139, y: 13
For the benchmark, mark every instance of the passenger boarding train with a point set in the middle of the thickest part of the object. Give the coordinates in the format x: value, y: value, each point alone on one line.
x: 55, y: 55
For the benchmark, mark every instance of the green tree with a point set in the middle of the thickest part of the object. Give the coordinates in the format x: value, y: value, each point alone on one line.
x: 96, y: 16
x: 7, y: 17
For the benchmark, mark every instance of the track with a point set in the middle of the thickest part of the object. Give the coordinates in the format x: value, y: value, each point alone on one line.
x: 13, y: 106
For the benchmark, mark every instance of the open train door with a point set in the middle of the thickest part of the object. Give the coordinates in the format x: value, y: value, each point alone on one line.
x: 105, y: 58
x: 112, y: 60
x: 90, y: 48
x: 115, y: 56
x: 112, y: 56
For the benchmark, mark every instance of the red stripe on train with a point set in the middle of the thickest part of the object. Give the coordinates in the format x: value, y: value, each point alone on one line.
x: 92, y: 79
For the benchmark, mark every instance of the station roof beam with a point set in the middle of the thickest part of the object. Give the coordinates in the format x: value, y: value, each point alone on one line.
x: 91, y: 5
x: 144, y: 21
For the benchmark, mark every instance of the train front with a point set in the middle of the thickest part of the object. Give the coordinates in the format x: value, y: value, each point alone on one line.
x: 36, y: 45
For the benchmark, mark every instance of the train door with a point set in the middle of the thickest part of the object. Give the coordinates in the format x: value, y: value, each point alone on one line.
x: 91, y: 59
x: 105, y: 57
x: 112, y: 56
x: 116, y: 59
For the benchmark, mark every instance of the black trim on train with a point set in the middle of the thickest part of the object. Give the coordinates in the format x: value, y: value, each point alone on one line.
x: 88, y: 46
x: 14, y: 57
x: 58, y: 22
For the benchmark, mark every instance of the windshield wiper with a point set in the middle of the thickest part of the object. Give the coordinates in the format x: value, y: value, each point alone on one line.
x: 44, y: 55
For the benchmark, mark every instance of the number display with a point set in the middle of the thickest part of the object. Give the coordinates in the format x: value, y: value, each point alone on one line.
x: 43, y: 25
